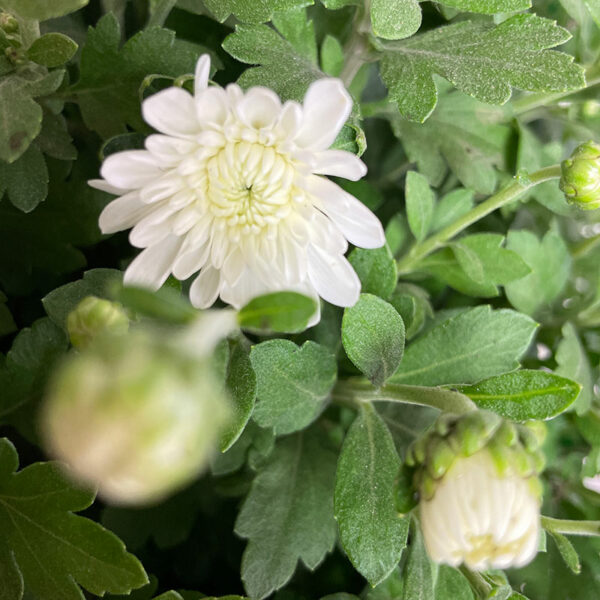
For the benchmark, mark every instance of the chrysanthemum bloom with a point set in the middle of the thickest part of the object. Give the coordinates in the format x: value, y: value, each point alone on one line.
x: 480, y: 497
x: 136, y: 417
x: 233, y: 188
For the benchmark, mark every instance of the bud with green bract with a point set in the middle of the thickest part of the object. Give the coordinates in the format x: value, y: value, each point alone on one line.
x: 93, y: 317
x: 135, y: 416
x: 480, y: 493
x: 580, y: 180
x: 8, y: 23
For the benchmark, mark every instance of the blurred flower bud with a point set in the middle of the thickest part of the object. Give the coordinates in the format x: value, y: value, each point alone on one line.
x: 8, y: 23
x: 136, y: 416
x: 479, y: 489
x: 94, y: 316
x: 580, y: 180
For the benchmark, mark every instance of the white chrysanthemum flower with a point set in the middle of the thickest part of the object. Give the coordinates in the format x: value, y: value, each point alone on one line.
x: 592, y: 483
x: 480, y: 517
x: 233, y: 187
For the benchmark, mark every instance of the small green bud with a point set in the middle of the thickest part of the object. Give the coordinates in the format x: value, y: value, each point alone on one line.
x: 404, y: 490
x: 15, y: 55
x: 93, y: 317
x: 8, y: 23
x: 580, y: 180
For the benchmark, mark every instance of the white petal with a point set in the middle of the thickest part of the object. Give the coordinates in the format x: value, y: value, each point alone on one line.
x: 190, y: 262
x: 123, y: 213
x: 171, y: 111
x: 260, y: 108
x: 248, y: 286
x: 212, y: 107
x: 152, y: 266
x: 333, y: 277
x: 339, y: 163
x: 169, y: 150
x: 161, y: 188
x: 104, y: 186
x: 202, y: 73
x: 205, y: 289
x: 289, y: 121
x: 148, y: 233
x: 327, y: 106
x: 360, y: 226
x: 131, y: 169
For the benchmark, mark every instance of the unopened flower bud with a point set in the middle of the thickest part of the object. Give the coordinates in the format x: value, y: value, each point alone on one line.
x: 95, y: 316
x: 8, y: 23
x: 134, y: 416
x: 480, y: 499
x: 580, y: 180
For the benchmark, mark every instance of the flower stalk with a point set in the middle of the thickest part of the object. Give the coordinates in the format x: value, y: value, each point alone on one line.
x: 565, y: 526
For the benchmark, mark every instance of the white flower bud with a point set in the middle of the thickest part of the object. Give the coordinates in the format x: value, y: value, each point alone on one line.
x: 482, y: 517
x: 135, y: 417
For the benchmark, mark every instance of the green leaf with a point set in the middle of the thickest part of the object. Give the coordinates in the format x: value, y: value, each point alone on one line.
x: 489, y: 7
x: 418, y: 573
x: 420, y: 204
x: 567, y: 551
x: 332, y: 56
x: 451, y: 207
x: 594, y: 7
x: 372, y: 533
x: 391, y: 588
x: 451, y: 583
x: 277, y: 312
x: 42, y: 10
x: 293, y: 383
x: 26, y: 180
x: 281, y: 67
x: 524, y: 395
x: 298, y: 31
x: 550, y: 264
x: 288, y: 514
x: 54, y: 140
x: 250, y: 11
x: 468, y: 347
x: 376, y: 269
x: 476, y: 265
x: 480, y: 59
x: 52, y: 50
x: 61, y: 301
x: 108, y: 103
x: 165, y: 304
x: 54, y: 549
x: 395, y: 19
x: 373, y: 337
x: 241, y: 384
x: 573, y: 363
x: 462, y: 135
x: 10, y: 576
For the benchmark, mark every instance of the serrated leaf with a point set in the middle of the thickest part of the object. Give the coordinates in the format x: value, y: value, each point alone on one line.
x: 241, y: 384
x: 55, y: 550
x: 52, y: 50
x: 473, y: 345
x: 281, y: 68
x: 451, y: 207
x: 109, y: 104
x: 54, y: 139
x: 42, y: 10
x: 418, y: 573
x: 371, y: 531
x: 376, y: 269
x: 573, y: 363
x: 373, y: 337
x: 298, y: 31
x: 550, y: 264
x: 288, y: 514
x: 481, y: 60
x: 524, y: 395
x: 420, y: 204
x: 292, y: 383
x: 395, y: 19
x: 451, y: 583
x: 488, y: 7
x: 283, y: 312
x: 567, y: 551
x: 26, y: 179
x: 250, y: 11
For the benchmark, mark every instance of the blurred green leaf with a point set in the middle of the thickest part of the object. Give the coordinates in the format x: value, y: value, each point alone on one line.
x: 52, y: 50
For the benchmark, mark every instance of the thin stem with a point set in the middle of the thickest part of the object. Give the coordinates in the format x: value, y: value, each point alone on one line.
x: 588, y: 528
x: 532, y: 101
x: 357, y: 391
x: 161, y: 12
x: 584, y: 247
x: 510, y: 193
x: 356, y: 48
x: 477, y: 582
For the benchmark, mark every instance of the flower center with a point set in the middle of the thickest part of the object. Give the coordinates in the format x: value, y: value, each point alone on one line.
x: 250, y: 186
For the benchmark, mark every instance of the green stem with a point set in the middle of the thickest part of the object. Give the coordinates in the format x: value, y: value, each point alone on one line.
x: 356, y: 49
x: 161, y: 12
x: 588, y: 528
x: 533, y: 101
x: 358, y: 391
x: 477, y: 582
x: 584, y: 247
x: 510, y: 193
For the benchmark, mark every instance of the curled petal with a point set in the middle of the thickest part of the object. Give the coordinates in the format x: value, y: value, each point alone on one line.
x: 202, y: 74
x: 339, y: 163
x: 173, y: 112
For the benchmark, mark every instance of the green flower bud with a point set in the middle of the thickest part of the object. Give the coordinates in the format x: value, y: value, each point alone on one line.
x: 479, y: 491
x: 134, y: 416
x: 94, y: 316
x: 8, y: 23
x: 580, y: 180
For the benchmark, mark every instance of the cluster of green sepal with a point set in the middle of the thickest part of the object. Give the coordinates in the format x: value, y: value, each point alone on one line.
x: 308, y: 474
